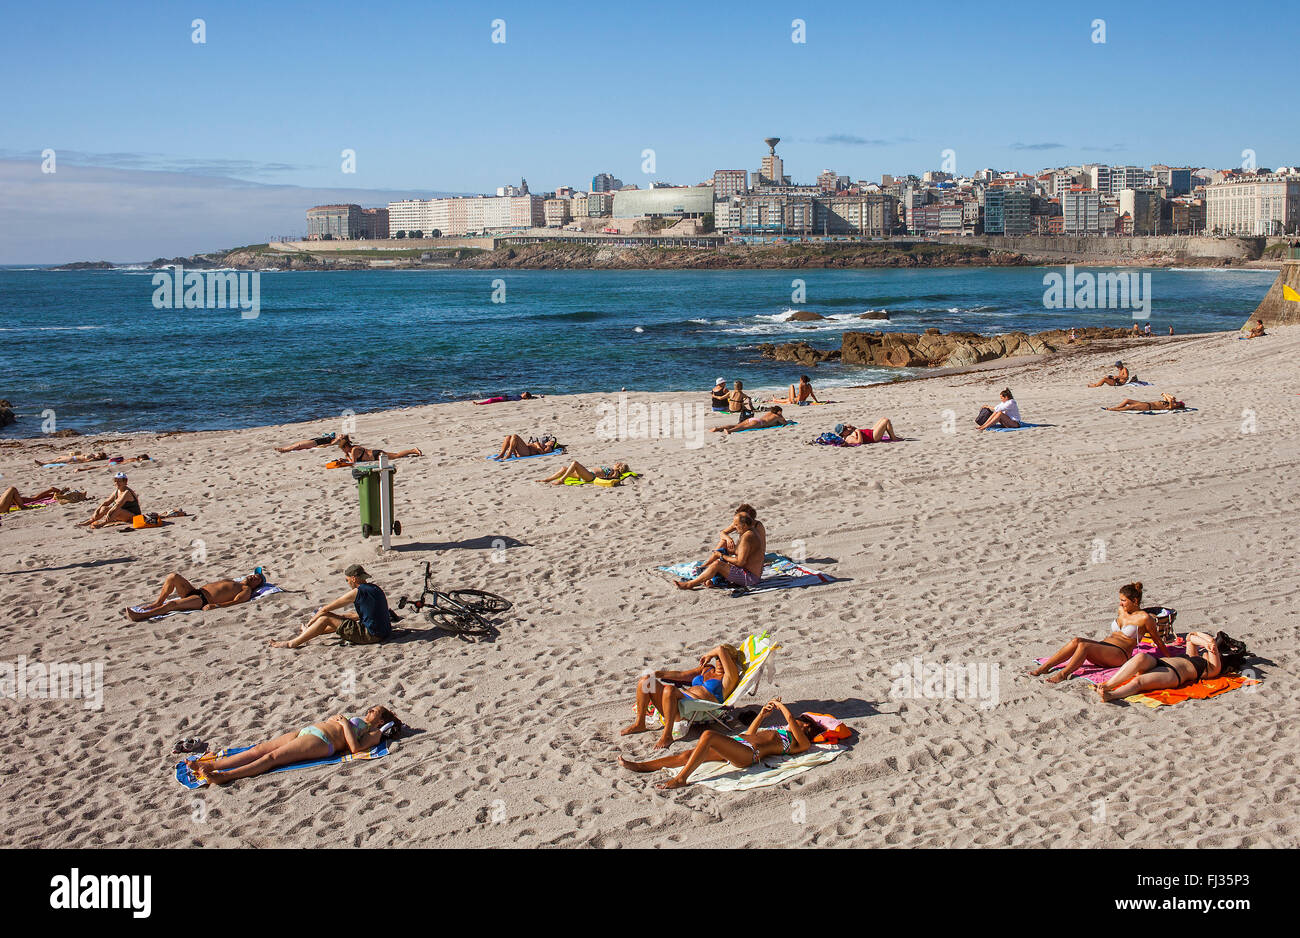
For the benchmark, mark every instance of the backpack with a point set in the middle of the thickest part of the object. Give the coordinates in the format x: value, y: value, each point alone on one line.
x: 984, y: 414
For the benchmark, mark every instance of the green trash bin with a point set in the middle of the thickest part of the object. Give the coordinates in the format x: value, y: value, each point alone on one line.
x: 368, y: 496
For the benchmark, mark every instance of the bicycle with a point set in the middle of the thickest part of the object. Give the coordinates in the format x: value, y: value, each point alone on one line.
x: 460, y: 612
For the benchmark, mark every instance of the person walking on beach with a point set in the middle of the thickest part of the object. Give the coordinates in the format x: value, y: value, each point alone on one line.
x: 369, y: 622
x: 318, y: 741
x: 742, y: 750
x: 1130, y: 625
x: 119, y: 508
x: 1006, y: 413
x: 743, y: 568
x: 215, y: 595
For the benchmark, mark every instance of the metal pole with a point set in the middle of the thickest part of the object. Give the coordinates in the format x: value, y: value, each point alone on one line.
x: 385, y: 495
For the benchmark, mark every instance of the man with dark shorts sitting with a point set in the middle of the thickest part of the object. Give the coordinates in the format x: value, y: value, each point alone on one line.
x: 367, y: 623
x: 744, y: 568
x: 215, y: 595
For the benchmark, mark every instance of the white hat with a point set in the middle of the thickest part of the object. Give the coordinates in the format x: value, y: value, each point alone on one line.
x: 120, y: 475
x: 719, y: 381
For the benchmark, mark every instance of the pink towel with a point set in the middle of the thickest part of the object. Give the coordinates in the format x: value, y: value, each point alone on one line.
x: 1095, y: 675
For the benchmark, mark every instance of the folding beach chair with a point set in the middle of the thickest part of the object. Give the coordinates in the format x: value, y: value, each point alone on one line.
x: 755, y: 653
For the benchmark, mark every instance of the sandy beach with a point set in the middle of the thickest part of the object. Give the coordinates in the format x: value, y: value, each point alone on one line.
x: 952, y: 547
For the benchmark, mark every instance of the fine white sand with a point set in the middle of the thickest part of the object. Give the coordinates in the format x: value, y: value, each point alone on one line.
x: 957, y: 547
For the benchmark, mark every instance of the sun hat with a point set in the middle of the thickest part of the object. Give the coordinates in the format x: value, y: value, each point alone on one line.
x: 719, y: 381
x: 120, y: 475
x: 839, y: 429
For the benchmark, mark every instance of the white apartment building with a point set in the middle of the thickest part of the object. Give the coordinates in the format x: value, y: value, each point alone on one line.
x: 1079, y: 212
x: 459, y: 216
x: 1254, y: 205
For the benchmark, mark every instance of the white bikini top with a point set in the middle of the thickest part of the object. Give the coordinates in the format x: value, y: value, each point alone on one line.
x: 1129, y: 631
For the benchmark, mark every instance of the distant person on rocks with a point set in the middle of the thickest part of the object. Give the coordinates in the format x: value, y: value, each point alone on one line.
x: 189, y: 598
x: 1006, y: 413
x: 1146, y: 330
x: 1121, y: 376
x: 369, y: 622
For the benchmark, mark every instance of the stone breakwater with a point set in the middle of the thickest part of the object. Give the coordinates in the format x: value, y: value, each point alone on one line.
x: 933, y: 349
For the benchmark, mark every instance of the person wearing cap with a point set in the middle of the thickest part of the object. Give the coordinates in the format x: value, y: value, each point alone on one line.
x: 718, y: 396
x: 369, y: 621
x: 1120, y: 376
x: 119, y: 508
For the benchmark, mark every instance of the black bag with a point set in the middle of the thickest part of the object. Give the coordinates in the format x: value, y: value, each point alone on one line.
x: 1230, y: 646
x: 984, y: 414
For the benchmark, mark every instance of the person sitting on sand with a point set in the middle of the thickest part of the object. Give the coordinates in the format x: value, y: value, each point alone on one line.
x: 718, y: 396
x: 798, y: 395
x: 215, y: 595
x: 369, y: 622
x: 576, y: 470
x: 1130, y: 624
x: 318, y: 741
x: 1256, y: 330
x: 742, y: 750
x: 772, y: 418
x: 673, y: 693
x: 516, y: 446
x: 119, y: 508
x: 358, y: 454
x: 326, y: 440
x: 855, y: 436
x: 742, y: 568
x: 1005, y: 413
x: 1148, y: 672
x: 10, y: 499
x: 1166, y: 402
x: 738, y: 402
x: 1119, y: 377
x: 727, y: 544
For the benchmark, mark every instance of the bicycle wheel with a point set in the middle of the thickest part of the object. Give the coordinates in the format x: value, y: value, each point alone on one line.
x: 459, y: 622
x: 480, y: 601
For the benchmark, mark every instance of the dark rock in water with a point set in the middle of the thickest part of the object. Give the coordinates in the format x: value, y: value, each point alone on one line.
x: 6, y: 414
x: 804, y: 315
x: 66, y: 433
x: 800, y: 352
x: 86, y: 265
x: 933, y: 331
x: 874, y: 314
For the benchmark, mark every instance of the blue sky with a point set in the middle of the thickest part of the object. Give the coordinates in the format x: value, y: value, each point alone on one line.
x: 429, y: 102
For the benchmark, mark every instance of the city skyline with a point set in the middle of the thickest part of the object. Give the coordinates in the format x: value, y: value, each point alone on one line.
x: 259, y: 107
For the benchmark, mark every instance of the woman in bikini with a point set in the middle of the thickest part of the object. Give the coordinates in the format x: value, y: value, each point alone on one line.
x: 1158, y: 672
x: 10, y: 499
x: 772, y: 418
x: 318, y: 741
x: 1113, y: 651
x: 738, y: 402
x: 576, y: 470
x: 742, y: 750
x: 798, y: 394
x: 854, y: 436
x: 673, y: 692
x: 516, y: 446
x: 356, y: 454
x: 1166, y: 402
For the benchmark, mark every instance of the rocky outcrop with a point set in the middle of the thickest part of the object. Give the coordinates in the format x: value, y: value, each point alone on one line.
x: 6, y: 413
x: 933, y: 349
x: 1277, y: 309
x: 86, y: 265
x: 803, y: 315
x: 875, y: 314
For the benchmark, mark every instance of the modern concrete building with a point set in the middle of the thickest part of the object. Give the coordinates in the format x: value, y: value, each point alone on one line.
x: 870, y: 216
x: 600, y: 204
x: 1266, y: 204
x: 1143, y: 207
x: 729, y: 182
x: 459, y: 216
x: 345, y: 222
x: 1007, y: 211
x: 604, y: 182
x: 578, y: 205
x: 1079, y: 211
x: 683, y: 201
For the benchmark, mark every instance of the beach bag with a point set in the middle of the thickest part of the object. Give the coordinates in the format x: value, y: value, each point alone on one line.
x: 829, y: 439
x: 1164, y: 617
x: 150, y: 520
x: 984, y: 414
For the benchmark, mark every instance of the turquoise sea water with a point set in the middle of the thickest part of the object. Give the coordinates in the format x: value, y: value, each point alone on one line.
x: 90, y: 345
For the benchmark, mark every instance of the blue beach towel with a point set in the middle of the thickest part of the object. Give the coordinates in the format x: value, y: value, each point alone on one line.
x: 558, y: 449
x: 779, y: 573
x: 266, y: 590
x: 185, y: 775
x: 788, y: 423
x: 1023, y: 426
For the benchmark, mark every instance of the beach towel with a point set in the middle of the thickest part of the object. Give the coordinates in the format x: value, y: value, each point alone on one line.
x: 558, y: 449
x: 1098, y: 675
x: 54, y: 465
x: 1145, y: 384
x: 1151, y: 413
x: 1203, y: 689
x: 773, y: 770
x: 600, y: 481
x: 1023, y: 426
x: 779, y: 573
x: 788, y: 423
x: 40, y: 504
x: 507, y: 397
x: 185, y: 775
x: 266, y: 590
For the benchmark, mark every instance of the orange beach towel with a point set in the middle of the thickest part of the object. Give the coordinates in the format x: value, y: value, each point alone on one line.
x: 1201, y: 690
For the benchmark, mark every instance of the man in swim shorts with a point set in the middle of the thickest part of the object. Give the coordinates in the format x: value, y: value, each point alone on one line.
x: 744, y: 568
x: 215, y: 595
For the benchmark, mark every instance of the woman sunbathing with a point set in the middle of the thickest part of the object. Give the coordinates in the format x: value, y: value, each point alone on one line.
x: 798, y: 394
x: 1166, y: 402
x: 854, y: 436
x: 1113, y: 651
x: 576, y: 470
x: 318, y: 741
x: 325, y: 440
x: 76, y: 456
x: 358, y: 454
x: 772, y: 418
x: 673, y: 692
x: 516, y: 446
x: 117, y: 460
x: 742, y: 750
x: 10, y: 499
x: 1149, y: 672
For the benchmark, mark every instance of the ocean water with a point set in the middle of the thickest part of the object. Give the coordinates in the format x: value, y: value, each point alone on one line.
x: 90, y: 346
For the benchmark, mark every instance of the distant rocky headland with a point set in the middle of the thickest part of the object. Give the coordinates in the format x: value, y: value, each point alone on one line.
x: 933, y: 349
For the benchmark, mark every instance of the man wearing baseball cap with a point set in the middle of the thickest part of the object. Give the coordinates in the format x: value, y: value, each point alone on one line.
x: 369, y: 621
x: 119, y: 508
